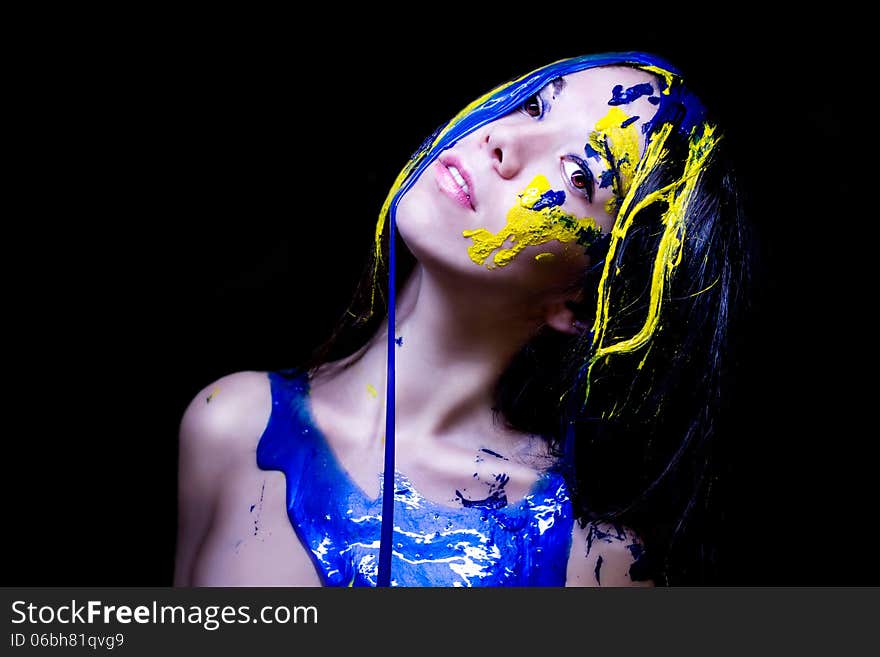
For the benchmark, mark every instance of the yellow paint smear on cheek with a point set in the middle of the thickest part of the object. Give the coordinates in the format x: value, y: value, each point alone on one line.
x: 618, y: 147
x: 527, y: 226
x: 544, y: 256
x: 371, y: 390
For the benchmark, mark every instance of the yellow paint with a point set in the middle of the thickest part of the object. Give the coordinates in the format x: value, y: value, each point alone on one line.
x: 526, y: 227
x: 676, y: 195
x: 371, y: 390
x: 211, y: 396
x: 619, y: 149
x: 544, y: 256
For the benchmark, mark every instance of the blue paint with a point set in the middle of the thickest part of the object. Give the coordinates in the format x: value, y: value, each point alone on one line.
x: 621, y: 97
x: 495, y: 454
x: 606, y: 178
x: 252, y: 508
x: 495, y: 500
x: 640, y: 568
x: 591, y: 152
x: 399, y: 341
x: 635, y: 549
x: 598, y: 534
x: 631, y: 119
x: 521, y: 544
x: 598, y: 568
x: 654, y: 100
x: 549, y: 199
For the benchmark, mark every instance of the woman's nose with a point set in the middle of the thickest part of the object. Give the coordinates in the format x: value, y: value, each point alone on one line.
x: 508, y: 148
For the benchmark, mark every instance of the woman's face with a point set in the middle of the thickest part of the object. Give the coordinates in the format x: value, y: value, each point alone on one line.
x: 517, y: 201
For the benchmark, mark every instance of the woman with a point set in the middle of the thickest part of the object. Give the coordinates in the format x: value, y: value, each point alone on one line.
x: 570, y: 258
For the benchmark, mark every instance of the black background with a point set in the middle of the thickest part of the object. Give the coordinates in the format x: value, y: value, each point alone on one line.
x: 167, y: 235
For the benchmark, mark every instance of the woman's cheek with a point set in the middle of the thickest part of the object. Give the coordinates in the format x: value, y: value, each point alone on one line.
x: 535, y: 219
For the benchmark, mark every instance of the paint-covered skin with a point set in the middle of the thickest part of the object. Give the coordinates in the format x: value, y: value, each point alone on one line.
x: 483, y: 542
x: 535, y: 219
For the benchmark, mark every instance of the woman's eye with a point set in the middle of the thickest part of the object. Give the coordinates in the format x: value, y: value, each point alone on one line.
x: 533, y: 106
x: 578, y: 176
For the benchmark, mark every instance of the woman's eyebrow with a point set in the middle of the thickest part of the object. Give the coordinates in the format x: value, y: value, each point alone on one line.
x: 558, y: 86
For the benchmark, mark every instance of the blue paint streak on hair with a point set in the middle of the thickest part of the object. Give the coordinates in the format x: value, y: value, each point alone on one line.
x: 524, y: 543
x: 598, y: 568
x: 678, y: 104
x: 631, y: 119
x: 606, y: 178
x: 621, y: 97
x: 549, y: 199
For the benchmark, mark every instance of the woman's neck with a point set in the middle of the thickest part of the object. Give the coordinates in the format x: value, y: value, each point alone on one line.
x: 450, y: 350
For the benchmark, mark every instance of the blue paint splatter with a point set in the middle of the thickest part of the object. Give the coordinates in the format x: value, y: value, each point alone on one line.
x: 621, y: 97
x: 399, y: 341
x: 640, y: 568
x: 549, y: 199
x: 495, y: 454
x: 631, y: 119
x: 260, y: 510
x: 591, y: 152
x: 606, y: 178
x: 598, y: 534
x: 598, y: 568
x: 252, y: 508
x: 495, y: 500
x: 654, y: 100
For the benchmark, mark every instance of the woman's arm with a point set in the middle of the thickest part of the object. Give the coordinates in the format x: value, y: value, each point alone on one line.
x: 219, y: 426
x: 603, y: 554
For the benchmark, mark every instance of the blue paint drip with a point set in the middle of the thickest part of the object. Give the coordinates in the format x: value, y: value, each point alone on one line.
x: 549, y: 199
x: 525, y: 543
x: 631, y: 119
x: 399, y: 341
x: 621, y: 97
x: 598, y: 568
x: 387, y: 522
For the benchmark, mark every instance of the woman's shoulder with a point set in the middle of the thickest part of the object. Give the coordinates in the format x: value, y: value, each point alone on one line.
x: 606, y: 554
x: 229, y: 413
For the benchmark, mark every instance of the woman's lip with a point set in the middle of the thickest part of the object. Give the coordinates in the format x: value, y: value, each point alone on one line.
x: 448, y: 185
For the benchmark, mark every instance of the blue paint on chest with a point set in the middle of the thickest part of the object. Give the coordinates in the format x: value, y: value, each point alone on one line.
x: 522, y: 544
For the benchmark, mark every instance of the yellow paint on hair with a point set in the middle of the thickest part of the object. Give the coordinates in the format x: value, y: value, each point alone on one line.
x: 618, y: 146
x: 526, y: 227
x: 677, y: 196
